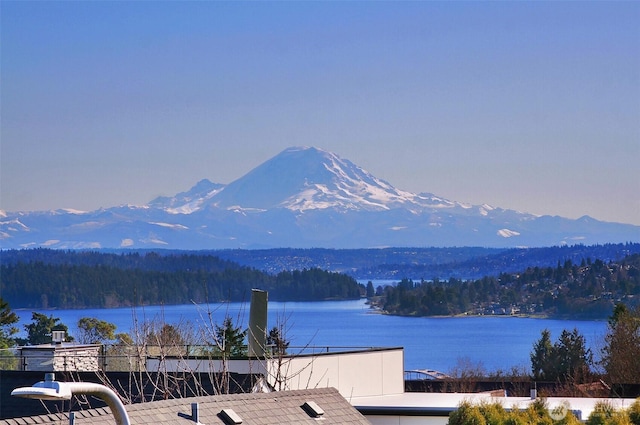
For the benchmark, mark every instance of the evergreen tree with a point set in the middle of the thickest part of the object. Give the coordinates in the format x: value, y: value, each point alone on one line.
x: 7, y: 319
x: 229, y: 339
x: 39, y: 331
x: 276, y: 339
x: 621, y: 353
x: 542, y: 358
x: 370, y: 291
x: 573, y: 359
x: 567, y: 359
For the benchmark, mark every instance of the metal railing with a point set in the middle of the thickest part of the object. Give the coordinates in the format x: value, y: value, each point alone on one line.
x: 125, y: 358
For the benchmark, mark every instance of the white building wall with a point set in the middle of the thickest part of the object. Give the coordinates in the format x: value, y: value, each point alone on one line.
x: 355, y: 374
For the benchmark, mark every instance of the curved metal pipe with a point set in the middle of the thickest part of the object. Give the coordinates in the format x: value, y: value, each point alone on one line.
x: 50, y: 389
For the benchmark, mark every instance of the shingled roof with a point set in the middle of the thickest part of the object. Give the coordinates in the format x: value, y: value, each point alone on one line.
x: 283, y: 407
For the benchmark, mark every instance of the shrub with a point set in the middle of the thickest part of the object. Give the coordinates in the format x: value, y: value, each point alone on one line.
x: 602, y: 414
x: 493, y: 413
x: 537, y: 413
x: 467, y: 414
x: 634, y: 412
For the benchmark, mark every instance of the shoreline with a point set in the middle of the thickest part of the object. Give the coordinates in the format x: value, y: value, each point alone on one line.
x: 500, y: 316
x: 377, y: 310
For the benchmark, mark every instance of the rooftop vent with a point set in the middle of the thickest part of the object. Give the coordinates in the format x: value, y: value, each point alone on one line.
x: 230, y: 417
x: 195, y: 412
x: 57, y: 337
x: 312, y: 409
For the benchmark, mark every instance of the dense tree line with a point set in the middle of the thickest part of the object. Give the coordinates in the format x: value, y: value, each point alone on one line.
x: 588, y: 290
x: 383, y: 263
x: 393, y: 263
x: 465, y: 263
x: 365, y: 263
x: 134, y: 279
x: 128, y: 260
x: 570, y: 362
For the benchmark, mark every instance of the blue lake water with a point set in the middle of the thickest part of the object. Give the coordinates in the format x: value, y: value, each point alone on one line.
x: 496, y: 342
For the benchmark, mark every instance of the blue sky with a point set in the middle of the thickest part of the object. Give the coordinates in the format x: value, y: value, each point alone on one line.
x: 533, y: 106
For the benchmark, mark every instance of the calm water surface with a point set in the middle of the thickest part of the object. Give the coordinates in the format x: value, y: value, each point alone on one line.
x: 434, y: 343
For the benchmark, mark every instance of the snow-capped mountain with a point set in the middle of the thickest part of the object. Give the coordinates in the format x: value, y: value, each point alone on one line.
x: 303, y: 197
x: 189, y: 201
x: 302, y: 179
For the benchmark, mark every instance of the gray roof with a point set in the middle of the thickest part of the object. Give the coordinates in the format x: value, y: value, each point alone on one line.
x: 283, y: 407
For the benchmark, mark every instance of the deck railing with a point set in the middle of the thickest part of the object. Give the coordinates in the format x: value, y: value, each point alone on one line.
x: 126, y: 358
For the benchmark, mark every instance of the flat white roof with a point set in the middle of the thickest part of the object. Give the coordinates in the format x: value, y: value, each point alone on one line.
x: 432, y: 403
x: 57, y: 347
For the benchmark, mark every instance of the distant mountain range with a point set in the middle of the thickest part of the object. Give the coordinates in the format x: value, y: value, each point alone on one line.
x: 302, y: 198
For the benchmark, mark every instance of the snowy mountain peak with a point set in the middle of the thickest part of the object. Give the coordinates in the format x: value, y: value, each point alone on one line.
x: 299, y: 179
x: 308, y: 178
x: 189, y: 201
x: 302, y: 197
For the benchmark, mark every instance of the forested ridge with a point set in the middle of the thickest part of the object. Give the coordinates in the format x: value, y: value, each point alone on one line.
x: 151, y: 261
x: 394, y: 263
x: 467, y: 264
x: 44, y: 278
x: 586, y: 290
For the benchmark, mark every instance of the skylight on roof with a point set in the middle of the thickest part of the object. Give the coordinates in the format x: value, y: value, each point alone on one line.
x: 312, y: 409
x: 230, y: 417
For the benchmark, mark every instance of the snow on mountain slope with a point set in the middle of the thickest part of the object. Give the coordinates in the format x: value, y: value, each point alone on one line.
x: 307, y: 178
x: 303, y: 197
x: 189, y: 201
x: 302, y: 179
